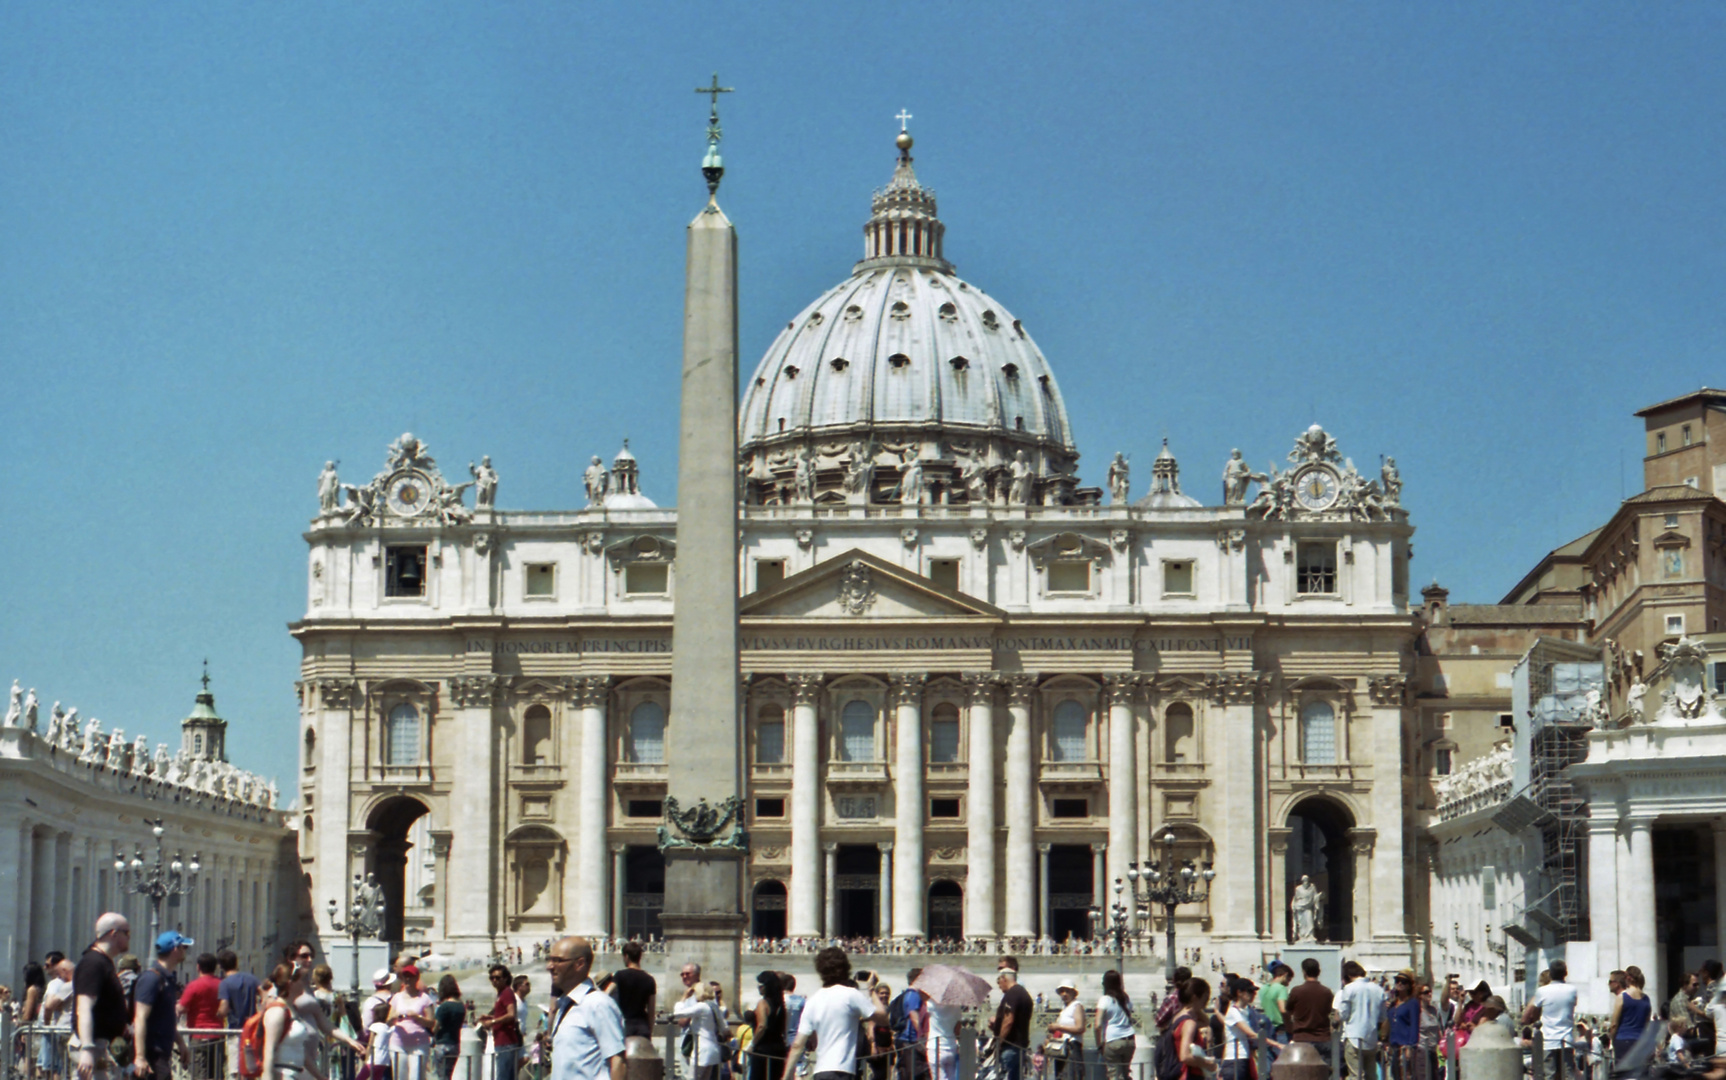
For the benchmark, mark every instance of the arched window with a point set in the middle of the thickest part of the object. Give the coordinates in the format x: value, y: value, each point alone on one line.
x: 770, y: 736
x: 536, y: 736
x: 857, y: 731
x: 944, y: 734
x: 403, y: 736
x: 311, y: 744
x: 1318, y: 733
x: 647, y: 733
x: 1068, y: 743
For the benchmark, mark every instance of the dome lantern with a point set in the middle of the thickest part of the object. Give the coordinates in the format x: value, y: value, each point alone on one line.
x: 903, y: 229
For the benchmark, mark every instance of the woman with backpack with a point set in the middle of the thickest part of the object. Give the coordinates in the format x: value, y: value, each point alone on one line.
x: 1115, y: 1035
x: 291, y: 1044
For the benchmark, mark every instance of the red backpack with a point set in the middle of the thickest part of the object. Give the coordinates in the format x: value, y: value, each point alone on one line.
x: 251, y: 1063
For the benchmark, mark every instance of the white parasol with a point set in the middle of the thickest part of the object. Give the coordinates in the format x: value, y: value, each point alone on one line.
x: 945, y: 984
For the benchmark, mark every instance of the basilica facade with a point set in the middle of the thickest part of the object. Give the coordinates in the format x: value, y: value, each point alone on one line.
x: 975, y: 690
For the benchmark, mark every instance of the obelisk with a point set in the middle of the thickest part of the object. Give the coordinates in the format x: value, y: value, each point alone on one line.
x: 703, y: 839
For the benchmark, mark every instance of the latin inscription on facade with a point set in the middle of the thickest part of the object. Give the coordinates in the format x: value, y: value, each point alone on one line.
x: 874, y: 643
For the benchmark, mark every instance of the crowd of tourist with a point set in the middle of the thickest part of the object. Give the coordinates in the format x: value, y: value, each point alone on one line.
x: 869, y: 946
x: 110, y: 1015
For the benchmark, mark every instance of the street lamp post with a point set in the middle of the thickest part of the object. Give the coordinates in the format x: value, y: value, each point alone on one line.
x: 159, y: 880
x: 1118, y: 928
x: 365, y: 918
x: 1171, y: 885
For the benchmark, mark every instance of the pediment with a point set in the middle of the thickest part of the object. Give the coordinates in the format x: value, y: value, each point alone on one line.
x: 857, y: 585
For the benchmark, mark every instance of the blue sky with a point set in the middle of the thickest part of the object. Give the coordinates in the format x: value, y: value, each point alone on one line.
x: 237, y: 239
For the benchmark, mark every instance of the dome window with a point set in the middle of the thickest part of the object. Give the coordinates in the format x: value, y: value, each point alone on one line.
x: 1011, y: 371
x: 1018, y: 423
x: 1044, y: 379
x: 853, y: 313
x: 790, y: 326
x: 790, y: 371
x: 990, y: 322
x: 959, y: 363
x: 781, y: 423
x: 761, y: 380
x: 1018, y: 328
x: 949, y: 313
x: 901, y: 310
x: 816, y: 319
x: 899, y: 361
x: 840, y: 363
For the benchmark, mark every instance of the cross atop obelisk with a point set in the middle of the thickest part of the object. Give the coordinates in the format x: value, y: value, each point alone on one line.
x: 713, y: 166
x: 903, y: 118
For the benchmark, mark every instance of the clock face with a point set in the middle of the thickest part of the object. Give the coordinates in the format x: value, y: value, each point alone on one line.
x: 1316, y: 488
x: 409, y: 494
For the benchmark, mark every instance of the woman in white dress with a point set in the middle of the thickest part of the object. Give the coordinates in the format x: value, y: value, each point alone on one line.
x: 942, y: 1044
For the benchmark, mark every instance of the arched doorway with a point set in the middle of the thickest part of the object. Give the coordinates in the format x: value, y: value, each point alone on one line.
x: 767, y: 913
x: 1319, y: 848
x: 390, y: 822
x: 946, y: 911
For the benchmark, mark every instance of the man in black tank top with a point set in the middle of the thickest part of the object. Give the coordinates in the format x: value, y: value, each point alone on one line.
x: 635, y: 991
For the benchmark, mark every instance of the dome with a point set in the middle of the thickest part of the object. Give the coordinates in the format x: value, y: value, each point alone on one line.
x: 906, y: 358
x: 1166, y: 491
x: 624, y: 490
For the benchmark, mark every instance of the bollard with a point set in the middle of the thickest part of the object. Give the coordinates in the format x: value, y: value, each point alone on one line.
x: 469, y: 1057
x: 1301, y: 1061
x: 1491, y: 1054
x: 641, y: 1061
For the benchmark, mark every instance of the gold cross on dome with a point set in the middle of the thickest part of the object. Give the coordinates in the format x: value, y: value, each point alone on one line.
x: 715, y: 90
x: 903, y: 118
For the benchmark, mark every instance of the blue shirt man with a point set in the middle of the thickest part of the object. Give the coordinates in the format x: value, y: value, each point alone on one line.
x: 586, y: 1025
x: 238, y: 992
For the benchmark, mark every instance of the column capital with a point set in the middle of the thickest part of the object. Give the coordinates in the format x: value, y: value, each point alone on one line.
x: 1120, y: 688
x: 831, y: 847
x: 477, y: 691
x: 1362, y: 840
x: 440, y: 842
x: 337, y: 693
x: 805, y: 685
x: 1044, y: 849
x: 979, y: 687
x: 907, y: 688
x: 592, y: 690
x: 620, y: 849
x: 1098, y: 849
x: 885, y: 847
x: 1021, y: 685
x: 1237, y: 687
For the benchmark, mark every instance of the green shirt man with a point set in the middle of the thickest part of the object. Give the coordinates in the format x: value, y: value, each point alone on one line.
x: 1273, y: 994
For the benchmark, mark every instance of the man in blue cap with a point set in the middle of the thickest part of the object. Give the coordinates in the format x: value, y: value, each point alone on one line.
x: 155, y: 1028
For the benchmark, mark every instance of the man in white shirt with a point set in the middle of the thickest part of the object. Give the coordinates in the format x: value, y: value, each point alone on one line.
x: 586, y: 1025
x: 1361, y: 1008
x: 1554, y: 1005
x: 833, y: 1015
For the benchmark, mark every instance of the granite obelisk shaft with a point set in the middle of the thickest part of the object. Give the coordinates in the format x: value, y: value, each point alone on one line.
x: 703, y: 916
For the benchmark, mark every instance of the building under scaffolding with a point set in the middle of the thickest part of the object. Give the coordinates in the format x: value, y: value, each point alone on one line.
x: 1557, y: 689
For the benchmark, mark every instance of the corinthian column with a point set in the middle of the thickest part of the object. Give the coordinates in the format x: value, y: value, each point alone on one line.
x: 1021, y: 805
x: 908, y: 864
x: 1123, y: 777
x: 591, y: 695
x: 805, y: 914
x: 980, y: 812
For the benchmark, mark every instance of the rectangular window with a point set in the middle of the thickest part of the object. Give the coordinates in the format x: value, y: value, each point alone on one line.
x: 1488, y: 887
x: 1315, y: 568
x: 770, y: 808
x: 1671, y: 521
x: 943, y: 741
x: 945, y: 573
x: 943, y: 808
x: 1070, y: 808
x: 1506, y: 721
x: 1441, y: 762
x: 1070, y: 575
x: 1444, y: 721
x: 405, y: 570
x: 768, y: 573
x: 645, y: 579
x: 1660, y: 443
x: 648, y: 808
x: 1686, y: 430
x: 770, y: 742
x: 1674, y: 624
x: 542, y: 579
x: 1177, y: 579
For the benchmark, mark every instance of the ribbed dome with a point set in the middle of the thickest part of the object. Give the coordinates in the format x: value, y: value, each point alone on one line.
x: 905, y: 354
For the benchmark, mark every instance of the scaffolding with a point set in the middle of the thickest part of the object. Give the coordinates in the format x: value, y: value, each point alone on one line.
x: 1564, y: 683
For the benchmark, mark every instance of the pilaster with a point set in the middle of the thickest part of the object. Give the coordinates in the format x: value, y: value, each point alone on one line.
x: 1120, y: 690
x: 907, y: 895
x: 342, y: 744
x: 980, y: 810
x: 1237, y: 808
x: 473, y: 908
x: 592, y: 696
x: 1021, y: 808
x: 806, y: 879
